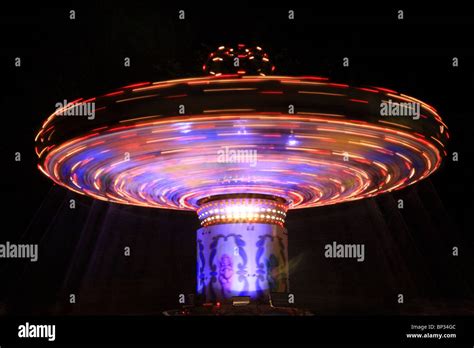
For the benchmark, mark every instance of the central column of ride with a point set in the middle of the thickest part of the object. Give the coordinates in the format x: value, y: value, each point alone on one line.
x: 242, y: 248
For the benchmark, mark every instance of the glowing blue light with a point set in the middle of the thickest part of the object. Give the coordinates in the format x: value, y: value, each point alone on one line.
x: 292, y: 142
x: 241, y: 259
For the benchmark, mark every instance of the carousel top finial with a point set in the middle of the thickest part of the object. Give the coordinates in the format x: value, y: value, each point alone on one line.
x: 240, y: 60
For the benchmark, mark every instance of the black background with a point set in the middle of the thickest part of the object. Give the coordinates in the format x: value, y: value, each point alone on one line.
x: 408, y: 251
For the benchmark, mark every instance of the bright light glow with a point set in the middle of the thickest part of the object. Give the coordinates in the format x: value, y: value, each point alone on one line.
x: 242, y: 210
x: 311, y: 158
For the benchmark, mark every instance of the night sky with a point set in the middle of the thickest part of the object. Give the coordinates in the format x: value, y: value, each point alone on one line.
x: 408, y: 251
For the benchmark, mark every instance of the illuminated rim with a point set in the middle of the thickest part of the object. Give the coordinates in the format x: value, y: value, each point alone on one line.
x: 315, y: 142
x: 241, y: 209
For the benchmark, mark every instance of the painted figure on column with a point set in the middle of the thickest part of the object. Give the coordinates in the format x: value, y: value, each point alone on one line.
x: 226, y: 272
